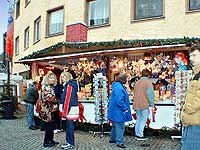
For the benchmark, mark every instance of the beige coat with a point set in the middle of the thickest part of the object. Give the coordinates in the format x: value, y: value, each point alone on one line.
x: 141, y: 100
x: 190, y: 114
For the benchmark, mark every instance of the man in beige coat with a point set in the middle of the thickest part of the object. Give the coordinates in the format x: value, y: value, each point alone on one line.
x: 190, y: 115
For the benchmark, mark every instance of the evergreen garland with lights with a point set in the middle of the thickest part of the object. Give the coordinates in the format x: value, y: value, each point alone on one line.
x: 114, y: 44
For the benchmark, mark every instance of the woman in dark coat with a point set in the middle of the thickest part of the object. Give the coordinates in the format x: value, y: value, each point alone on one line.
x: 30, y: 99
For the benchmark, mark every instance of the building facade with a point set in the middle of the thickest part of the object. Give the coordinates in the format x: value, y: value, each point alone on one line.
x: 39, y: 24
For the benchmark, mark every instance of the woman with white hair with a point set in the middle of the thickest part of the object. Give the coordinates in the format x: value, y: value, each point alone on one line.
x: 49, y: 104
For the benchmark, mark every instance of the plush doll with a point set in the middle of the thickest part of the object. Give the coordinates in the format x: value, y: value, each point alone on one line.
x: 181, y: 61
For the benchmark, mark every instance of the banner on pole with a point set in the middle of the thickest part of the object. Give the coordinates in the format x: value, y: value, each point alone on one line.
x: 10, y: 37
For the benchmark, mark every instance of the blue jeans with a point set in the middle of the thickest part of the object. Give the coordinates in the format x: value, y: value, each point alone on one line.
x: 70, y: 132
x: 141, y: 120
x: 30, y: 114
x: 190, y: 138
x: 117, y: 132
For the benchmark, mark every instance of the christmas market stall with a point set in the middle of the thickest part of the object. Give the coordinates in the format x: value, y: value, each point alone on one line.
x: 96, y: 64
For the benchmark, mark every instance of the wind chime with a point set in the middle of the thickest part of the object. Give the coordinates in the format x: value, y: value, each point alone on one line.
x: 101, y: 101
x: 183, y: 78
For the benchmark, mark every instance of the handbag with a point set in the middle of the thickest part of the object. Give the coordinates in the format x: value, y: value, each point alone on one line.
x: 73, y: 113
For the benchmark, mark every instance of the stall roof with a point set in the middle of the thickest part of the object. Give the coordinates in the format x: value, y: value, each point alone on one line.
x: 101, y: 52
x: 84, y: 49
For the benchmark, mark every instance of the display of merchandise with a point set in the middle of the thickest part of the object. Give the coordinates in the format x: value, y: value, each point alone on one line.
x: 182, y: 83
x: 101, y: 100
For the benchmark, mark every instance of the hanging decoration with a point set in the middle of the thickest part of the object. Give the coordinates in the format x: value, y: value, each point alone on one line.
x: 183, y: 78
x: 101, y: 100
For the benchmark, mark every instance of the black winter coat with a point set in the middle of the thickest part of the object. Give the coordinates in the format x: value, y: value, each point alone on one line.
x: 31, y: 95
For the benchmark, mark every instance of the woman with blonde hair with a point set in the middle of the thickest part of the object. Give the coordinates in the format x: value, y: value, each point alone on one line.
x: 68, y: 100
x: 65, y: 77
x: 49, y: 104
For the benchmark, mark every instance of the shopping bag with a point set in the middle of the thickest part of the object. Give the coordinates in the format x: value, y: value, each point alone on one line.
x: 73, y: 113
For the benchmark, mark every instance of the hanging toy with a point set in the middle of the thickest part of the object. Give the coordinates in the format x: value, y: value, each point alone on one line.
x: 181, y: 61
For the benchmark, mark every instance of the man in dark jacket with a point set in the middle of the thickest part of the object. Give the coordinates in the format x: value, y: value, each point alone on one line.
x: 30, y: 99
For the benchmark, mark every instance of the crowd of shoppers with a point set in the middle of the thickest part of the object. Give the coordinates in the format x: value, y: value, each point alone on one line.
x: 57, y: 99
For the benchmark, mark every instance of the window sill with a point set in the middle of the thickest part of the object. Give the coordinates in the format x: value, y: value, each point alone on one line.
x: 146, y: 19
x: 98, y: 26
x: 192, y: 11
x: 26, y: 48
x: 17, y: 17
x: 52, y: 35
x: 36, y: 42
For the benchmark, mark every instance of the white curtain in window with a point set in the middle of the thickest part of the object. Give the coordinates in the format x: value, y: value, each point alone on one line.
x: 37, y: 30
x: 26, y: 43
x: 194, y: 4
x: 148, y: 8
x: 17, y: 46
x: 91, y: 13
x: 156, y: 7
x: 98, y: 12
x: 56, y: 22
x: 101, y: 12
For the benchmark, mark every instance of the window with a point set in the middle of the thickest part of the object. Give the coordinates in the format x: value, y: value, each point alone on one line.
x: 17, y: 46
x: 26, y: 38
x: 17, y: 8
x: 27, y: 2
x: 98, y: 12
x: 37, y: 29
x: 194, y: 5
x: 55, y: 21
x: 148, y: 9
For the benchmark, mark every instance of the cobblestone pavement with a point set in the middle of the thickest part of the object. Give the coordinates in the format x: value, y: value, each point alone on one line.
x: 15, y: 135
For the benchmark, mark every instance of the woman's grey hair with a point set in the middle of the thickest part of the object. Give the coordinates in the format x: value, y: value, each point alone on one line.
x: 122, y: 78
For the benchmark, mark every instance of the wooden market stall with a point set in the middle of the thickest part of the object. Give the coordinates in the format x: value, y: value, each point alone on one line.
x: 88, y: 59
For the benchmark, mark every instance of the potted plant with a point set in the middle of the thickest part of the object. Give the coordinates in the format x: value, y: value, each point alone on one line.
x: 8, y: 105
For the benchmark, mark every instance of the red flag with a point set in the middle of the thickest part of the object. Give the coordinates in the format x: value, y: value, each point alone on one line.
x: 9, y: 38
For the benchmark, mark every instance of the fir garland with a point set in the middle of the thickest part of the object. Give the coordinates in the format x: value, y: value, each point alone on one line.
x: 114, y: 44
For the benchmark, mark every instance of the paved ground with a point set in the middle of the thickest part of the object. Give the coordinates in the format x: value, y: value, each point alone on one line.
x: 14, y: 135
